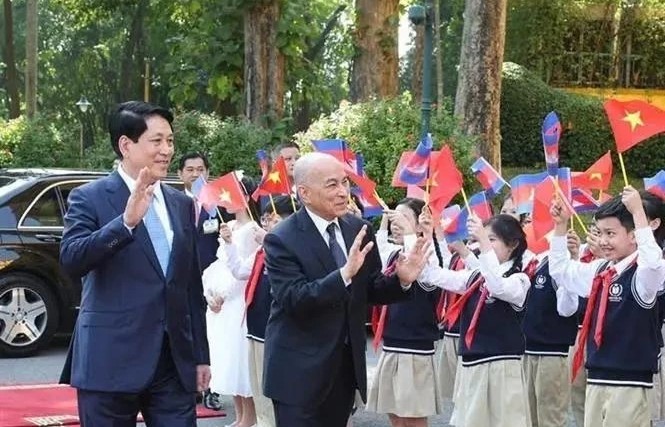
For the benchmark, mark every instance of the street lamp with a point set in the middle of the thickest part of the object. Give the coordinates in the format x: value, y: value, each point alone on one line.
x: 423, y: 15
x: 83, y: 105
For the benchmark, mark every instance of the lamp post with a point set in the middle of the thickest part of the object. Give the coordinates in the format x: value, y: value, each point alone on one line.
x: 423, y: 15
x: 83, y: 105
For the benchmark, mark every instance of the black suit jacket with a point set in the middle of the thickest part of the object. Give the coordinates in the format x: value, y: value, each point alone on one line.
x: 313, y: 312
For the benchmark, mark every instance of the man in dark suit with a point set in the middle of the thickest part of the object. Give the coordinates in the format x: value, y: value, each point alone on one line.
x: 324, y: 268
x: 140, y: 339
x: 190, y: 167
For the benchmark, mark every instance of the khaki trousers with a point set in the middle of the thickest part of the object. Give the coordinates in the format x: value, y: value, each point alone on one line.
x: 548, y: 389
x: 614, y: 406
x: 265, y: 414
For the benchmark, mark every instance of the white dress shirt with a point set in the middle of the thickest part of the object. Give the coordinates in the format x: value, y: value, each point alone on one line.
x: 512, y: 289
x: 159, y: 203
x: 577, y: 276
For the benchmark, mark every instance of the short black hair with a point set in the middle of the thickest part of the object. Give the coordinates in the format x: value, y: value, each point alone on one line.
x: 129, y: 119
x: 283, y: 206
x: 193, y: 155
x: 653, y: 208
x: 276, y: 150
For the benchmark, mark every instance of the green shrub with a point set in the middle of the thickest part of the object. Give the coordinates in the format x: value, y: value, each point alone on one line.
x: 39, y: 142
x: 382, y: 130
x: 230, y: 143
x: 526, y: 100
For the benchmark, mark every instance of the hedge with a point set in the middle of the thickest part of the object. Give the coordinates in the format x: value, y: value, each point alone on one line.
x: 382, y: 130
x: 526, y: 100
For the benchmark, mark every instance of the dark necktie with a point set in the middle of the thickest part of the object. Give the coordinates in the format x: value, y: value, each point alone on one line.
x: 335, y: 249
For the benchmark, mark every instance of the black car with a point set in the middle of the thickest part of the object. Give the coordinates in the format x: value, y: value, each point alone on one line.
x: 37, y: 298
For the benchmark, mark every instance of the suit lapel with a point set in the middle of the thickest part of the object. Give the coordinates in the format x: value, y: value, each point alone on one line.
x: 348, y: 232
x: 119, y: 194
x: 317, y: 244
x: 172, y: 208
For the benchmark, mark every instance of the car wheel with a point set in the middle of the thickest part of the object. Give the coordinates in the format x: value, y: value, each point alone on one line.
x: 29, y: 315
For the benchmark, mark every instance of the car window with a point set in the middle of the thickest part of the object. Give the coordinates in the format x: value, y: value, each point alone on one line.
x: 45, y: 212
x: 66, y: 188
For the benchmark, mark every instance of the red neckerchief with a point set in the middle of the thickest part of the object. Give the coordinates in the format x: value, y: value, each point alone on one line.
x: 254, y: 277
x: 380, y: 313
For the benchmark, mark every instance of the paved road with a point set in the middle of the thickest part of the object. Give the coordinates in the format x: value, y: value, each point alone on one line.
x: 45, y: 368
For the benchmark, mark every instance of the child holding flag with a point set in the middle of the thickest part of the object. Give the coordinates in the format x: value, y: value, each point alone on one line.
x: 490, y: 390
x: 257, y: 303
x: 621, y: 324
x: 405, y: 384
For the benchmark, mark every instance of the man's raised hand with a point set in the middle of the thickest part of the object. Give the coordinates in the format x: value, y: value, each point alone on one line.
x: 410, y: 264
x: 140, y: 199
x: 357, y: 255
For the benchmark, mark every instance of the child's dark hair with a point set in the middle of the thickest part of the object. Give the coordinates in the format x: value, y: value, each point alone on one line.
x: 248, y: 186
x: 653, y: 208
x: 283, y: 206
x: 417, y: 205
x: 509, y: 230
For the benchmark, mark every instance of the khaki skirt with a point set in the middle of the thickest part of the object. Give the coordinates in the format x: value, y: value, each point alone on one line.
x: 491, y: 394
x: 405, y: 385
x: 446, y: 360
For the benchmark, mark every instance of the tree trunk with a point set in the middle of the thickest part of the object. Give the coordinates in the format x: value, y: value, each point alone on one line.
x: 478, y: 97
x: 417, y: 64
x: 11, y: 75
x: 31, y: 51
x: 133, y: 65
x: 264, y: 63
x: 438, y: 57
x: 615, y: 66
x: 376, y: 61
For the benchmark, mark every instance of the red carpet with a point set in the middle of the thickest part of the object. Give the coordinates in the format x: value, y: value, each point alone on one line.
x: 50, y: 405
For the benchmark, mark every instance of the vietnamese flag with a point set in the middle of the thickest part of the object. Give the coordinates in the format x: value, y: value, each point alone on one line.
x: 225, y: 192
x: 656, y: 184
x: 276, y: 182
x: 537, y: 246
x: 545, y: 192
x: 633, y: 121
x: 597, y: 177
x: 445, y: 180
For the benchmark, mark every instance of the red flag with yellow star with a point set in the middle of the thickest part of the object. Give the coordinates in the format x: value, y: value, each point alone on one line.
x: 445, y: 179
x: 633, y: 121
x: 225, y: 192
x: 275, y: 182
x: 597, y: 176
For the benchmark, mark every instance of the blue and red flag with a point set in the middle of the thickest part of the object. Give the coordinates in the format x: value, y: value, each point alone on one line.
x: 488, y: 177
x: 449, y: 214
x: 457, y: 229
x: 522, y: 188
x: 417, y: 168
x: 264, y: 161
x: 364, y: 189
x: 656, y: 184
x: 551, y: 135
x: 583, y: 201
x: 336, y: 148
x: 197, y: 187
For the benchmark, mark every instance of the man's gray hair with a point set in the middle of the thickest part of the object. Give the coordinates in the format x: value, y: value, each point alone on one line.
x: 305, y: 164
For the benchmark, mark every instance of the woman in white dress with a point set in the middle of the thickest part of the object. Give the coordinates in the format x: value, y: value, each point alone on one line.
x: 229, y: 362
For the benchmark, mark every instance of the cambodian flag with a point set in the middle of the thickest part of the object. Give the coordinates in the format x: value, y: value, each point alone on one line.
x: 365, y: 189
x: 583, y: 201
x: 262, y: 157
x: 197, y: 188
x: 522, y: 188
x: 449, y: 214
x: 417, y: 168
x: 488, y: 177
x: 656, y: 184
x: 457, y: 229
x: 551, y: 136
x: 336, y: 148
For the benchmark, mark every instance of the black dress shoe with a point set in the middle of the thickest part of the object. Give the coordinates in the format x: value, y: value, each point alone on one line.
x: 212, y: 401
